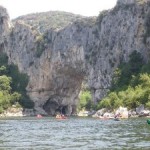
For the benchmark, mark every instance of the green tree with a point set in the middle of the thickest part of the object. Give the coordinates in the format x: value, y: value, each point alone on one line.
x: 7, y: 99
x: 5, y: 83
x: 3, y: 70
x: 130, y: 85
x: 19, y: 84
x: 85, y: 100
x: 105, y: 103
x: 12, y: 85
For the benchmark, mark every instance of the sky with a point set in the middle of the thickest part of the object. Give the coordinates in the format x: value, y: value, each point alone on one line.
x: 17, y: 8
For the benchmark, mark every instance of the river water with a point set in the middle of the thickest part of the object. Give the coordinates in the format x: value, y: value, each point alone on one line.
x: 47, y: 133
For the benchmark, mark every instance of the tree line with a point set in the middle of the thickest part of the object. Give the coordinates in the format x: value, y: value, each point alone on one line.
x: 12, y: 86
x: 130, y: 86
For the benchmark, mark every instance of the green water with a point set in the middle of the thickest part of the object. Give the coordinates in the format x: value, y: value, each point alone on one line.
x: 73, y: 134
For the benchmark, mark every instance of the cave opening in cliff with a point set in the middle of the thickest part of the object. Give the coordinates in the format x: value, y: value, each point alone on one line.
x: 64, y: 110
x: 52, y: 108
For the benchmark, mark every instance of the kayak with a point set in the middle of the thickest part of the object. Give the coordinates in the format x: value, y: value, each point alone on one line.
x: 148, y: 121
x: 117, y: 119
x: 61, y: 117
x: 39, y: 116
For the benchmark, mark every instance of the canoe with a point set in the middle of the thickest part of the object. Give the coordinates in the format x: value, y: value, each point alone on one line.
x: 61, y: 117
x: 117, y: 119
x: 39, y: 116
x: 148, y: 121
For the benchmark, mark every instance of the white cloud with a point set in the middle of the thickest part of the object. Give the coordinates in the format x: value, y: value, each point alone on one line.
x: 83, y: 7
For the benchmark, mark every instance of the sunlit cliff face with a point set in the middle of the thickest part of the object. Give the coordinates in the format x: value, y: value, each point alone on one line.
x: 88, y: 49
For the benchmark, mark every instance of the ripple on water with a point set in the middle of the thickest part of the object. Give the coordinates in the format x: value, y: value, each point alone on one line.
x: 73, y: 134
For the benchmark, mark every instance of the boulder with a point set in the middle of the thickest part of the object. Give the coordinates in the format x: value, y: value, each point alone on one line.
x: 140, y: 109
x: 123, y: 112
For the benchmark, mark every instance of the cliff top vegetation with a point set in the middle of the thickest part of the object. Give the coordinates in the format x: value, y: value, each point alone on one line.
x: 47, y: 20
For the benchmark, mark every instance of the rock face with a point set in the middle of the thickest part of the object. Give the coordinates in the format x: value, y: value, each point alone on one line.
x: 57, y: 62
x: 114, y: 36
x: 4, y: 28
x: 44, y: 21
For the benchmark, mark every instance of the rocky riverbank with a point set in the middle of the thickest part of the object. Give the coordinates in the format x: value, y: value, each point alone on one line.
x: 121, y: 111
x: 18, y: 112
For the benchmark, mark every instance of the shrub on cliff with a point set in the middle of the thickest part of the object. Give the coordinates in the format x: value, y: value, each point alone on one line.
x: 19, y: 84
x: 12, y: 85
x: 130, y: 86
x: 127, y: 72
x: 3, y: 59
x: 7, y: 98
x: 85, y: 100
x: 47, y: 20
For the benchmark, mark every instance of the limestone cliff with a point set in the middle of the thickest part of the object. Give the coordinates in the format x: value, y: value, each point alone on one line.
x: 44, y: 21
x: 57, y: 62
x: 4, y: 28
x: 114, y: 36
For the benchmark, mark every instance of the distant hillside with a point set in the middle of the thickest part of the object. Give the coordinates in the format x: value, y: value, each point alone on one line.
x: 46, y: 20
